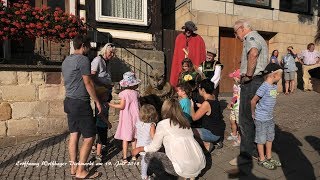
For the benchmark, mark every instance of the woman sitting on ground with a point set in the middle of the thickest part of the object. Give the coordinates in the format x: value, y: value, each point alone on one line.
x: 209, y: 111
x: 183, y: 156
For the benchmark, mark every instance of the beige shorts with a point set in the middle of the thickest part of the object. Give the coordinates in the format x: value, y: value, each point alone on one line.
x: 234, y: 116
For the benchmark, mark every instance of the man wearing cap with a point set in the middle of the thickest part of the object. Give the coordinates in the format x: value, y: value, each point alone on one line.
x: 187, y: 45
x: 211, y: 69
x: 254, y: 59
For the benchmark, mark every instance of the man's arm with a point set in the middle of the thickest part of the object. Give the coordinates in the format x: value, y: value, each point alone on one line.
x: 90, y: 88
x: 254, y: 101
x: 253, y: 55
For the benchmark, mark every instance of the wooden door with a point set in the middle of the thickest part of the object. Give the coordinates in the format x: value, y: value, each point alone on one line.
x: 169, y: 38
x: 230, y: 56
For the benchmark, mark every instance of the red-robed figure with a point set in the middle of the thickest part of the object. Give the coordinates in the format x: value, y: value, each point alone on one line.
x: 188, y: 45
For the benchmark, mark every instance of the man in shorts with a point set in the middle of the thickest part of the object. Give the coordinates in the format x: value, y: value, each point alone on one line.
x: 79, y: 88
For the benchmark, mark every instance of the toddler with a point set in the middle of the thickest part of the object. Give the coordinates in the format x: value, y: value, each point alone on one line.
x: 145, y: 129
x: 234, y: 106
x: 262, y: 105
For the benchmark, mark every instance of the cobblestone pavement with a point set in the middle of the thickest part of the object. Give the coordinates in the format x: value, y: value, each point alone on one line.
x: 297, y: 145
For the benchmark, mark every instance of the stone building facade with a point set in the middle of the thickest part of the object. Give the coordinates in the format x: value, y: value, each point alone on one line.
x: 215, y: 20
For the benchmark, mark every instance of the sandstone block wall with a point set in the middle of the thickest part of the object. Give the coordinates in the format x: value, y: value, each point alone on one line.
x: 30, y: 106
x: 31, y: 102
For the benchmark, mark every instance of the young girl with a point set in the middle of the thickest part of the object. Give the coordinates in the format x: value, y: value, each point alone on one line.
x: 129, y: 112
x: 234, y: 106
x: 188, y: 73
x: 145, y: 129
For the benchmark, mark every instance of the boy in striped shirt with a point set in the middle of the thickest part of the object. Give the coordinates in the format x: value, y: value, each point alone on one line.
x: 262, y: 105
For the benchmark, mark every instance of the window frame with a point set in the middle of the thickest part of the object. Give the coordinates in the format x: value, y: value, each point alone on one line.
x: 102, y: 18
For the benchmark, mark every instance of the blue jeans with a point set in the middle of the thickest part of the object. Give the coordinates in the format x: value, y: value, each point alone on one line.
x: 247, y: 129
x: 206, y: 135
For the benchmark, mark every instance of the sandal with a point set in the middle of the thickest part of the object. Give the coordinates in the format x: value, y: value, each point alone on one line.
x: 266, y: 164
x: 274, y: 162
x: 124, y: 160
x: 93, y: 175
x: 133, y: 158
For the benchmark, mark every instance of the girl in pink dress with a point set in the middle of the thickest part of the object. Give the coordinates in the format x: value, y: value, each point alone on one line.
x: 129, y: 112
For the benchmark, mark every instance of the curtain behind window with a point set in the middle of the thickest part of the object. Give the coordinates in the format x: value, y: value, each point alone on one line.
x: 129, y: 9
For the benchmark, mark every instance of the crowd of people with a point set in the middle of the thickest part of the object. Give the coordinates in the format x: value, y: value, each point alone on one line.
x: 191, y: 124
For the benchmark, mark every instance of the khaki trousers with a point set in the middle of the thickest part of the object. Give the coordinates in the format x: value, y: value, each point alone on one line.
x: 307, y: 85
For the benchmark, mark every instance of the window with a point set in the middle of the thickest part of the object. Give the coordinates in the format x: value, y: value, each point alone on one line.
x: 297, y: 6
x: 255, y: 3
x: 122, y: 11
x: 54, y: 3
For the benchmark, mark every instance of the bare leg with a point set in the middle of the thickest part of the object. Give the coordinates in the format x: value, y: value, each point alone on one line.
x: 133, y: 144
x: 73, y: 150
x: 233, y: 127
x: 287, y: 87
x: 292, y: 84
x: 268, y: 149
x: 261, y: 151
x: 124, y: 148
x: 99, y: 148
x: 84, y: 154
x: 206, y: 145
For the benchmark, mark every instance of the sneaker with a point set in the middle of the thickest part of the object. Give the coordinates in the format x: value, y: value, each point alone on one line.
x: 98, y: 158
x: 266, y: 164
x: 93, y: 150
x: 239, y: 160
x: 274, y: 162
x: 219, y: 145
x: 232, y: 137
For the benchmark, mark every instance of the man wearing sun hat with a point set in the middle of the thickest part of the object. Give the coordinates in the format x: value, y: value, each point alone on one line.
x: 187, y: 45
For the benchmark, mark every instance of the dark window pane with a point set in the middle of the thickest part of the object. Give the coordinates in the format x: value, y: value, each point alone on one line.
x: 254, y: 2
x: 295, y: 5
x: 56, y: 3
x: 32, y: 2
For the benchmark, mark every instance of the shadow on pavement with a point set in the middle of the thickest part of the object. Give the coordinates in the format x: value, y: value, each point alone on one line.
x: 295, y: 164
x: 314, y: 142
x: 243, y: 171
x: 32, y: 150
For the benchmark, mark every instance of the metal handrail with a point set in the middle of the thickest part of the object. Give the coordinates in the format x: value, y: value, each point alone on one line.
x: 142, y: 73
x: 119, y: 45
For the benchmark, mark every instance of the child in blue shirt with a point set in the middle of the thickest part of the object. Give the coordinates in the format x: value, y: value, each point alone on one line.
x: 183, y: 91
x: 262, y: 106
